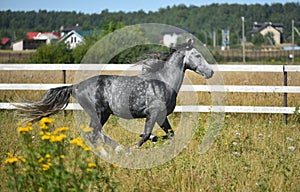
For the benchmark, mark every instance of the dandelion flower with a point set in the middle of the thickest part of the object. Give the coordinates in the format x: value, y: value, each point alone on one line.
x: 44, y: 123
x: 57, y: 138
x: 41, y: 160
x: 11, y: 160
x: 78, y: 141
x: 25, y: 130
x: 46, y: 167
x: 46, y: 137
x: 62, y: 156
x: 59, y: 130
x: 22, y: 159
x: 47, y: 156
x: 86, y: 148
x: 91, y: 165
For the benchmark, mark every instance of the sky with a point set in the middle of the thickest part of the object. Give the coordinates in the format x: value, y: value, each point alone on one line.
x: 96, y: 6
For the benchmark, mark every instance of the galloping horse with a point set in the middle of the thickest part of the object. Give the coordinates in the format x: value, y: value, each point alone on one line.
x: 151, y: 95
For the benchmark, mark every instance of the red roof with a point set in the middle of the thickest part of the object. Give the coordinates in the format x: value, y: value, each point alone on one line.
x: 31, y: 35
x: 5, y: 40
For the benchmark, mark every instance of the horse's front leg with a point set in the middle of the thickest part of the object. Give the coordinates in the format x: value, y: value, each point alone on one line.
x: 150, y: 121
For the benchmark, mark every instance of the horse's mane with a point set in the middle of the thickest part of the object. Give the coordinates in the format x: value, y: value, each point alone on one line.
x: 155, y: 60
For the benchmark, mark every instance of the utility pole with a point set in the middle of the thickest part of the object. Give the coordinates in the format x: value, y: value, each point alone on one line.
x: 293, y: 39
x: 243, y: 38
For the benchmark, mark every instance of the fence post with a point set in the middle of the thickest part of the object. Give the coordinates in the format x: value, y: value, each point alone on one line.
x: 64, y: 73
x: 285, y: 94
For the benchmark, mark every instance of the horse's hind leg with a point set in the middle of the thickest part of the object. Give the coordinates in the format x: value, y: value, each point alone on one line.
x: 97, y: 121
x: 165, y: 125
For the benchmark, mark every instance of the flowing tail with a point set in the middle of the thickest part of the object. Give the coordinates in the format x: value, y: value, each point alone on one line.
x: 54, y: 100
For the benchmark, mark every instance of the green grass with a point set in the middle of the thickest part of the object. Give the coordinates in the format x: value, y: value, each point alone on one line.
x: 252, y: 153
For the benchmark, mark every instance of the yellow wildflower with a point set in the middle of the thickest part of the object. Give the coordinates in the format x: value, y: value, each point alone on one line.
x: 22, y: 159
x: 91, y: 165
x: 41, y: 160
x: 61, y: 129
x: 11, y: 160
x: 25, y: 130
x: 46, y: 137
x: 46, y: 167
x: 44, y: 123
x: 47, y: 156
x: 57, y: 138
x: 62, y: 156
x: 78, y: 141
x: 86, y: 148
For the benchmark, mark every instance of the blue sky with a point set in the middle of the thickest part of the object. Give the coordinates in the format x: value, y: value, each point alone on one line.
x: 96, y: 6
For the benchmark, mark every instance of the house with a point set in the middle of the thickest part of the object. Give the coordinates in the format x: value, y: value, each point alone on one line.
x: 64, y: 31
x: 268, y: 27
x: 5, y: 42
x: 35, y: 39
x: 27, y: 44
x: 171, y: 35
x: 74, y: 38
x: 49, y: 37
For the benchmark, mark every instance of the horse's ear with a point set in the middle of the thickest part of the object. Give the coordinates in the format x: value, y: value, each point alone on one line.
x: 189, y: 43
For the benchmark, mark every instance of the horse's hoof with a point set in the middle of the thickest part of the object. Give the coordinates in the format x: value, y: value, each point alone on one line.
x: 172, y: 134
x: 153, y: 138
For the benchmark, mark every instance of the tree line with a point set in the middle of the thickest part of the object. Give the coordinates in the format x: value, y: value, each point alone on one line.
x: 202, y: 21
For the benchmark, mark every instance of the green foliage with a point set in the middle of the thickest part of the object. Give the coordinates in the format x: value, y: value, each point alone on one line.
x: 199, y: 20
x: 133, y: 54
x: 46, y: 164
x: 258, y: 39
x: 52, y: 53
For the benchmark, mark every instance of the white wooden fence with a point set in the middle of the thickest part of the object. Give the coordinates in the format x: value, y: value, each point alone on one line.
x: 284, y: 69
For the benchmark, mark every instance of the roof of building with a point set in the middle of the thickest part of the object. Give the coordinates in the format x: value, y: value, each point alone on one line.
x: 257, y: 27
x: 5, y: 40
x: 43, y: 35
x: 31, y: 35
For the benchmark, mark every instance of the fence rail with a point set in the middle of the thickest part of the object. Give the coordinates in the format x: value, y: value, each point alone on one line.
x: 197, y: 88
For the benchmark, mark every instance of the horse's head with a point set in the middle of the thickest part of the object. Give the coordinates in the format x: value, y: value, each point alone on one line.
x: 193, y: 60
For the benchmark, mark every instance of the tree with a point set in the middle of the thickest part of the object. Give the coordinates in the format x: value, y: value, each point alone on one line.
x: 258, y: 39
x: 52, y: 53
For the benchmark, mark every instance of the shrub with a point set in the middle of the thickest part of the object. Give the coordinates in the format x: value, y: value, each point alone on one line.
x: 51, y: 161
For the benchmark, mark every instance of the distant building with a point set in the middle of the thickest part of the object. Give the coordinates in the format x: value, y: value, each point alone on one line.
x: 27, y: 44
x: 74, y: 38
x: 64, y: 31
x: 5, y: 42
x: 170, y: 36
x: 268, y: 27
x: 49, y: 37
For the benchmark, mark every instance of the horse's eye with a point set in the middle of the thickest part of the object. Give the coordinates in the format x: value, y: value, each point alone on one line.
x: 198, y: 56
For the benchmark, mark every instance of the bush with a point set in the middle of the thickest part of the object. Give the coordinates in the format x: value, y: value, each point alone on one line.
x: 52, y: 161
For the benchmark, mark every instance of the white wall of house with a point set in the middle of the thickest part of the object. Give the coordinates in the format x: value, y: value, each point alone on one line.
x: 170, y: 40
x: 18, y: 46
x: 73, y: 40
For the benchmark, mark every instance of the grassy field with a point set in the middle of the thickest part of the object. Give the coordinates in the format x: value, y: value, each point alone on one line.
x: 252, y: 152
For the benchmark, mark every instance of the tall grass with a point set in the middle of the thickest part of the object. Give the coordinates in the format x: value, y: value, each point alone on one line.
x: 252, y: 153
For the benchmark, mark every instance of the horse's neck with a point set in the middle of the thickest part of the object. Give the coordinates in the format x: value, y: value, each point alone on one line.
x: 173, y: 72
